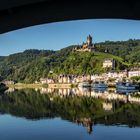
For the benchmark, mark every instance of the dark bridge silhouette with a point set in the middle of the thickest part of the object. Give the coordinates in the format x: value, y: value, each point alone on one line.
x: 16, y: 14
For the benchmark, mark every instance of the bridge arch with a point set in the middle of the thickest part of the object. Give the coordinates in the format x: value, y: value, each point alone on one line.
x: 16, y: 14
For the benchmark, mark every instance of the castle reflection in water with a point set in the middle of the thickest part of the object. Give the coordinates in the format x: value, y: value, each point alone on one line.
x: 108, y: 97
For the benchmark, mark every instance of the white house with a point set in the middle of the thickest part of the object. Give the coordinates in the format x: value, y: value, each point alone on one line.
x: 109, y: 63
x: 134, y: 73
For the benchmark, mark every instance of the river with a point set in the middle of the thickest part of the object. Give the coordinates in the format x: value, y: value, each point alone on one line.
x: 60, y: 114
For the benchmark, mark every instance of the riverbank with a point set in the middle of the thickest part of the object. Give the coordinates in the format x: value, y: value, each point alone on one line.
x: 23, y: 85
x: 39, y: 85
x: 58, y: 85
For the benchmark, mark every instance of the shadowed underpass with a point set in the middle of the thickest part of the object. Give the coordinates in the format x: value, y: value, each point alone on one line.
x: 17, y: 14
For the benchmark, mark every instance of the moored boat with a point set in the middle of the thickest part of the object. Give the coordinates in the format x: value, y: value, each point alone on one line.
x: 126, y: 91
x: 99, y: 85
x: 126, y: 86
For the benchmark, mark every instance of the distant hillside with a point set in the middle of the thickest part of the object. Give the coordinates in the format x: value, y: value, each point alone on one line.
x: 15, y: 66
x: 31, y: 65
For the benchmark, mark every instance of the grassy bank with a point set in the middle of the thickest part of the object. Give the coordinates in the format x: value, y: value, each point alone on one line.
x: 23, y: 85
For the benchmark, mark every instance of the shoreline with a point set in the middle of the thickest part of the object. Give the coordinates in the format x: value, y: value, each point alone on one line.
x: 23, y: 85
x: 33, y: 85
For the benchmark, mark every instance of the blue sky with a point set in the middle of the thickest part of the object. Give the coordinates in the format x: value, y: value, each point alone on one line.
x: 58, y: 35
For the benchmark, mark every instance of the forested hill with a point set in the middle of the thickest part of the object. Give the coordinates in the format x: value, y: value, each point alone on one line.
x: 128, y: 50
x: 31, y: 65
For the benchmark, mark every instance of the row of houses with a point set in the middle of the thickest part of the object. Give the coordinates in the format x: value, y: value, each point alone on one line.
x: 116, y: 75
x: 77, y: 79
x: 66, y: 79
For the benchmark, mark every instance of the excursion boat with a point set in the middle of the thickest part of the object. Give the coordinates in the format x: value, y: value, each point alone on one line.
x: 84, y: 84
x: 126, y: 86
x: 99, y: 85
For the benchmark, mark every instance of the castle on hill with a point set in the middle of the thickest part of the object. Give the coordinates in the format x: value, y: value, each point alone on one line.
x: 86, y: 47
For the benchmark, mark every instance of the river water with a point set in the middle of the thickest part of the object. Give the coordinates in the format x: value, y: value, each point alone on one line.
x: 60, y: 114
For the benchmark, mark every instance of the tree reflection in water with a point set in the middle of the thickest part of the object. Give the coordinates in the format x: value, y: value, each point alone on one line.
x: 81, y: 109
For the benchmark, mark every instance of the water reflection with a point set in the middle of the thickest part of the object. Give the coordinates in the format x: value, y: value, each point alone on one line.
x: 87, y: 123
x: 83, y: 106
x: 110, y: 94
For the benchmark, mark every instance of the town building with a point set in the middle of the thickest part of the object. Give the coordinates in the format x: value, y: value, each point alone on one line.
x: 117, y: 75
x: 99, y: 77
x: 65, y: 79
x: 109, y: 63
x: 133, y: 73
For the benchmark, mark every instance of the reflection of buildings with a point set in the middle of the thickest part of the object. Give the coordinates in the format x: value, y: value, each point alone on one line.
x: 46, y: 80
x: 109, y: 96
x: 46, y: 90
x: 10, y: 90
x: 58, y: 92
x: 107, y: 106
x: 83, y: 91
x: 133, y: 99
x: 105, y: 95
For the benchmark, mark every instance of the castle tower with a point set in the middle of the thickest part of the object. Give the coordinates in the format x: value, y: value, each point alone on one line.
x: 88, y: 46
x: 89, y: 40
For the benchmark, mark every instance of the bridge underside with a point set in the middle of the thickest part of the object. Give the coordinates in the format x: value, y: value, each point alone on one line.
x: 16, y: 14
